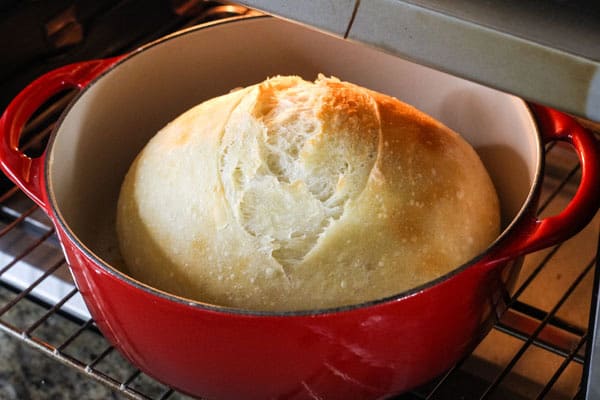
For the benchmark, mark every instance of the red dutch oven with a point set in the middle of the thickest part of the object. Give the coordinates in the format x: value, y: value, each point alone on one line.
x: 370, y: 350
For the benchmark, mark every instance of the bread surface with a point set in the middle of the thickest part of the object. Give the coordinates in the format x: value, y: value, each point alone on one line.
x: 294, y: 195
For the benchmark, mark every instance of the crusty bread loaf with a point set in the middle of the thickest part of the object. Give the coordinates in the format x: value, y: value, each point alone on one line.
x: 292, y: 195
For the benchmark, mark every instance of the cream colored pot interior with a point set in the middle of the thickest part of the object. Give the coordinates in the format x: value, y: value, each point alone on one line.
x: 111, y: 121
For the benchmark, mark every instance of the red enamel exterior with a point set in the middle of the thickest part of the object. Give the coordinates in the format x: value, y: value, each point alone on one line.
x: 368, y: 351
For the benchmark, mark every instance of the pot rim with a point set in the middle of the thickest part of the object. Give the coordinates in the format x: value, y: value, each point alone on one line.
x: 526, y: 209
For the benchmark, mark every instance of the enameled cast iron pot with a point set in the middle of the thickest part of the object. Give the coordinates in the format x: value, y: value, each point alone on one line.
x: 365, y: 351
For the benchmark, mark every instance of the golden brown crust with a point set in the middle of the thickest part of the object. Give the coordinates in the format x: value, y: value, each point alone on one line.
x: 292, y: 195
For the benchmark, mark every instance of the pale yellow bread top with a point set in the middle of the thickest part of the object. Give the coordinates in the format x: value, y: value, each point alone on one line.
x: 293, y: 195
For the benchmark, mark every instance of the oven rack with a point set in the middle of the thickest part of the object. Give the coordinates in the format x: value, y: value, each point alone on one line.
x: 33, y: 319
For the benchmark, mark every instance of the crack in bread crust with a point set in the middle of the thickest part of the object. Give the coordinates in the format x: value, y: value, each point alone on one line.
x: 290, y: 170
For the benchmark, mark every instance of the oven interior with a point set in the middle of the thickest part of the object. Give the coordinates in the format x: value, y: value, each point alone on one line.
x: 542, y: 347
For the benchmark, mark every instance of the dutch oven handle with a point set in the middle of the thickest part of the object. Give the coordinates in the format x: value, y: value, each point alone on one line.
x: 27, y: 173
x: 534, y: 234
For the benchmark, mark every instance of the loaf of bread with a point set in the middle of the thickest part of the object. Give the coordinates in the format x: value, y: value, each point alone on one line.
x: 294, y: 195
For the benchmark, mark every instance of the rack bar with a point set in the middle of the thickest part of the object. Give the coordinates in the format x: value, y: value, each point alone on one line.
x: 90, y: 367
x: 49, y: 313
x: 25, y: 292
x: 25, y: 252
x: 534, y: 335
x: 561, y: 368
x: 60, y: 348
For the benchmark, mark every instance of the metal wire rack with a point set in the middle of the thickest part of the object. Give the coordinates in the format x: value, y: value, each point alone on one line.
x: 537, y: 349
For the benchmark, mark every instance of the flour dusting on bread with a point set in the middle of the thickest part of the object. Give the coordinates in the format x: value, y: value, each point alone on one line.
x: 286, y: 176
